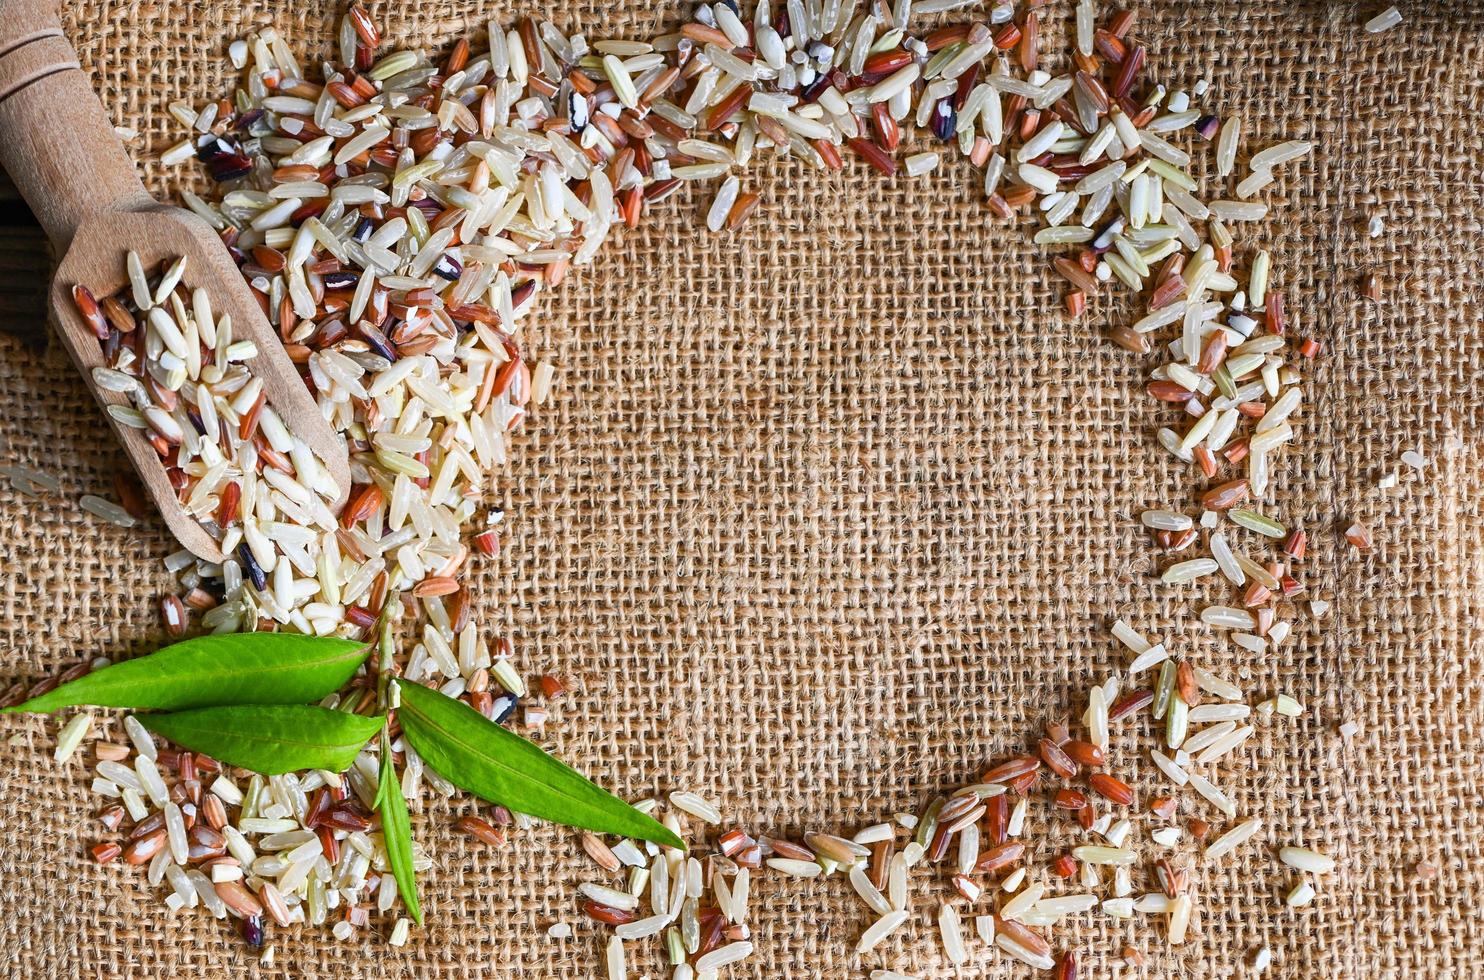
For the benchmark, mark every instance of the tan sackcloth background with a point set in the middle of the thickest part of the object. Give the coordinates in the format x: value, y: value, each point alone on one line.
x: 829, y: 512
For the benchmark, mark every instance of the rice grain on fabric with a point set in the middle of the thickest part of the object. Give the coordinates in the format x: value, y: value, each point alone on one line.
x: 951, y: 428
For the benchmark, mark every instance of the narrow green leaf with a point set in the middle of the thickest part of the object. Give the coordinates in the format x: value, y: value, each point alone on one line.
x: 380, y: 785
x: 269, y: 738
x: 396, y: 831
x: 238, y: 668
x: 479, y: 756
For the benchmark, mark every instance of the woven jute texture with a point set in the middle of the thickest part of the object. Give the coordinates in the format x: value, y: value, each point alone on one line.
x: 828, y: 513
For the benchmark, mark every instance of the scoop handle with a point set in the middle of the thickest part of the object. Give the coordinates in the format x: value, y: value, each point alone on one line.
x: 56, y: 141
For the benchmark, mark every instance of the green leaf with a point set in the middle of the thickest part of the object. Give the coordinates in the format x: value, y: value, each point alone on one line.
x: 240, y: 668
x: 479, y: 756
x: 396, y: 830
x: 270, y: 738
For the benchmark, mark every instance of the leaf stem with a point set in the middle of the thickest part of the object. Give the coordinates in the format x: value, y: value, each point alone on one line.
x: 386, y: 647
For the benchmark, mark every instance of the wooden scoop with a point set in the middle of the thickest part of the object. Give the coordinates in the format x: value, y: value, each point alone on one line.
x: 59, y: 147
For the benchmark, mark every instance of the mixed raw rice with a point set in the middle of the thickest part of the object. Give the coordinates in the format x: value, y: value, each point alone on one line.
x: 396, y: 219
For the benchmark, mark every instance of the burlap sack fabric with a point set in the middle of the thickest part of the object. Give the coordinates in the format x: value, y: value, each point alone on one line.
x: 829, y: 512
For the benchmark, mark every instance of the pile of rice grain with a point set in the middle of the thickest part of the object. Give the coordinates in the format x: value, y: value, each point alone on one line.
x: 397, y: 217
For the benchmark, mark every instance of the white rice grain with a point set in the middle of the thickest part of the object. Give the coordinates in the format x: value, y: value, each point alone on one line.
x: 614, y: 958
x: 880, y: 929
x: 952, y: 935
x: 1384, y: 21
x: 1233, y: 838
x: 72, y: 735
x: 1306, y: 859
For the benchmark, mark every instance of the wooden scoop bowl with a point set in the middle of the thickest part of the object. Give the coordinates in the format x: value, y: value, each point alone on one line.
x: 59, y: 147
